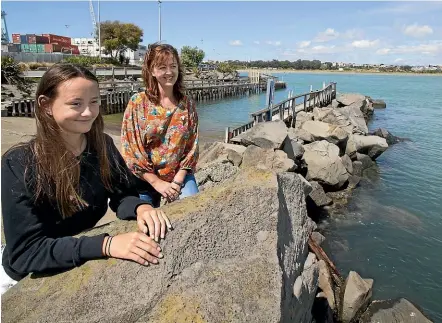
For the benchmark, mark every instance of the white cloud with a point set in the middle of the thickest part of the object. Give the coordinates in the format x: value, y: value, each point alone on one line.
x: 417, y: 31
x: 273, y: 43
x: 398, y: 60
x: 327, y: 35
x: 304, y: 44
x: 257, y: 42
x: 235, y: 43
x: 352, y: 34
x: 431, y: 48
x: 364, y: 43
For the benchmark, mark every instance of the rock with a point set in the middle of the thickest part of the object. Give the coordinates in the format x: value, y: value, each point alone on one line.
x: 219, y: 152
x: 266, y: 135
x: 378, y: 104
x: 318, y: 239
x: 366, y: 161
x: 320, y: 113
x: 318, y: 195
x: 357, y: 168
x: 373, y: 146
x: 324, y: 164
x: 384, y: 133
x: 367, y: 110
x: 260, y: 215
x: 292, y: 148
x: 356, y: 117
x: 300, y: 134
x: 325, y: 283
x: 216, y: 173
x: 353, y: 181
x: 350, y: 98
x: 325, y: 131
x: 302, y: 117
x: 274, y: 160
x: 307, y: 186
x: 393, y: 311
x: 335, y: 104
x: 357, y: 296
x: 347, y: 163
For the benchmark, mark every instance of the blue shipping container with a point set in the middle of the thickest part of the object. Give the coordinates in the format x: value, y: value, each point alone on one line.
x: 23, y: 39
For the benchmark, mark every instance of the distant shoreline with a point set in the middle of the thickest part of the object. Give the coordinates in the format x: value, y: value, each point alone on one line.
x: 282, y: 71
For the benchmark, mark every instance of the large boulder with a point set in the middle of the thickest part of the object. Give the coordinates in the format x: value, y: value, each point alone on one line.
x: 357, y: 295
x: 220, y: 152
x: 384, y: 133
x: 372, y: 146
x: 378, y: 104
x: 354, y: 114
x: 299, y: 135
x: 318, y: 195
x: 293, y: 148
x: 266, y: 135
x: 324, y: 164
x: 215, y: 173
x: 393, y: 311
x: 275, y: 160
x: 325, y: 131
x: 235, y: 254
x: 302, y: 117
x: 350, y: 98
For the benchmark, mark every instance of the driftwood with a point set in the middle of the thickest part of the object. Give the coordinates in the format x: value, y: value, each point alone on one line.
x: 321, y: 255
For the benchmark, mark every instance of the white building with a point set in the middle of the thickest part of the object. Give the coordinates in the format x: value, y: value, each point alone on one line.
x: 89, y: 47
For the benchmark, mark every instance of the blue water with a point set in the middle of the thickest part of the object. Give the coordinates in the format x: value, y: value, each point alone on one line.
x: 392, y: 228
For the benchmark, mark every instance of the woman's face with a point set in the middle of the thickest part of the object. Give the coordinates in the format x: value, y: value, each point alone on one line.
x: 166, y: 73
x: 76, y: 105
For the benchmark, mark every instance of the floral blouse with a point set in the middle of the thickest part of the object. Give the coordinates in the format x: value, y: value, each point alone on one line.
x: 159, y: 140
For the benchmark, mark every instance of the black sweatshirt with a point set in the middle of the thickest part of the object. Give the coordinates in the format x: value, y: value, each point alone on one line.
x: 38, y: 239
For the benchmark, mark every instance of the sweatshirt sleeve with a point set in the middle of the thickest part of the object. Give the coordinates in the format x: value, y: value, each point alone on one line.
x: 29, y: 247
x: 124, y: 197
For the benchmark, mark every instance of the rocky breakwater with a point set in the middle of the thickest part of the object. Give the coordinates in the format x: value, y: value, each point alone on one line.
x: 330, y: 148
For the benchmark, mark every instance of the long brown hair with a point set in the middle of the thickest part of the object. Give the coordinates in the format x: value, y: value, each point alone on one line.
x: 57, y: 169
x: 155, y: 55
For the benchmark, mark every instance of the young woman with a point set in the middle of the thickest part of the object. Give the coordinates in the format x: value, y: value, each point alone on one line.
x: 59, y: 184
x: 160, y: 130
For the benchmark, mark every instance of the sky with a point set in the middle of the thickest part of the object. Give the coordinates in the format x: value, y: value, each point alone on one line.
x: 348, y: 31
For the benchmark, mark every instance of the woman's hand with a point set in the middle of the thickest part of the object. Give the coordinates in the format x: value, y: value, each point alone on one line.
x: 134, y: 246
x: 152, y: 221
x: 166, y: 190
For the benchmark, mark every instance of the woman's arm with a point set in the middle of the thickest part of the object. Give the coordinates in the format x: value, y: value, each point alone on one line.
x: 29, y: 248
x: 191, y: 151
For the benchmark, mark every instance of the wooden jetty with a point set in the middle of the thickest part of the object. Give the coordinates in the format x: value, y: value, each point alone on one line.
x: 286, y: 110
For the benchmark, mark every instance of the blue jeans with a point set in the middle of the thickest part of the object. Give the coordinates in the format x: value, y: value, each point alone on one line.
x: 190, y: 188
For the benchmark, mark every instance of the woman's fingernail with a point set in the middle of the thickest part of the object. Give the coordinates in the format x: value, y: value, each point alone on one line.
x: 160, y: 255
x: 155, y: 261
x: 159, y: 248
x: 146, y: 263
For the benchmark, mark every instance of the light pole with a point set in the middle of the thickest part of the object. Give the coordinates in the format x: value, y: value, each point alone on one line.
x: 67, y: 28
x: 99, y: 32
x: 159, y: 20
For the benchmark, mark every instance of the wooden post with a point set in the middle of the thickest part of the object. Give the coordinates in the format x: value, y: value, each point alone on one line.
x: 113, y: 72
x: 125, y: 72
x: 226, y: 140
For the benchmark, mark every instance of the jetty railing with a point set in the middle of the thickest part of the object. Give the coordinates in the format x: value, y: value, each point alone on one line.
x: 286, y: 109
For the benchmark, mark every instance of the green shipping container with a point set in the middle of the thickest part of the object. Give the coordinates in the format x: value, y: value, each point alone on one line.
x: 33, y: 48
x: 25, y: 48
x: 40, y: 48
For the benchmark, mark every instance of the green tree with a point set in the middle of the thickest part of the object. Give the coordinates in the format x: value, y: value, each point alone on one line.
x: 191, y: 57
x: 117, y: 37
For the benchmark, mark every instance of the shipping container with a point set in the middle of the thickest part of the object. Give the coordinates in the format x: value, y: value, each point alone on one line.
x: 41, y: 40
x: 16, y: 38
x: 25, y: 48
x: 31, y: 38
x: 55, y: 39
x: 23, y: 39
x: 33, y: 48
x: 52, y: 48
x: 40, y: 48
x: 4, y: 48
x: 75, y: 51
x: 14, y: 48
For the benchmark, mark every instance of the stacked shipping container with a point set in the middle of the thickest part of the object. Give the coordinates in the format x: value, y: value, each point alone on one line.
x: 46, y: 43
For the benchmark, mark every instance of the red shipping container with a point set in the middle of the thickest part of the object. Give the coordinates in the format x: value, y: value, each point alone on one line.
x: 75, y: 51
x: 55, y: 39
x: 16, y: 39
x: 42, y: 40
x: 52, y: 48
x: 31, y: 39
